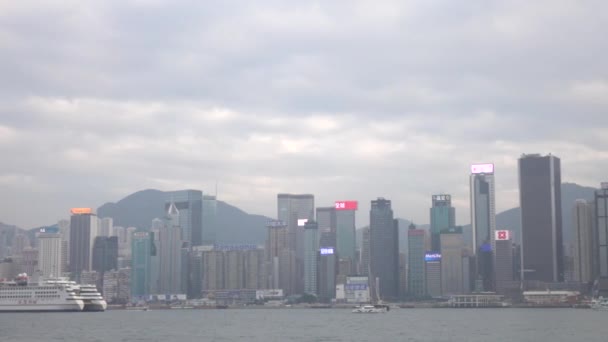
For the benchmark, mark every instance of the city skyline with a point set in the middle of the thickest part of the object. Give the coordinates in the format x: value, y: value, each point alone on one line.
x: 342, y: 101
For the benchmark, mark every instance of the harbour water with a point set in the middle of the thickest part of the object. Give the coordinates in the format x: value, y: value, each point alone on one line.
x: 481, y: 325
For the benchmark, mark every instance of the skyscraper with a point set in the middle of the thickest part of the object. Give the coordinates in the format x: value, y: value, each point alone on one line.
x: 384, y: 249
x: 209, y: 220
x: 142, y: 250
x: 276, y: 243
x: 416, y: 253
x: 452, y: 275
x: 311, y: 253
x: 443, y: 216
x: 295, y: 210
x: 190, y: 206
x: 346, y: 230
x: 541, y: 218
x: 326, y: 220
x: 83, y: 230
x: 49, y: 252
x: 601, y: 221
x: 583, y: 241
x: 483, y: 205
x: 105, y: 253
x: 504, y: 260
x: 106, y: 227
x: 170, y: 252
x: 365, y: 254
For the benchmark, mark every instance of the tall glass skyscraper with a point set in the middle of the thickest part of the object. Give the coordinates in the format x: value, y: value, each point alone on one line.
x: 443, y: 216
x: 83, y: 230
x: 483, y: 221
x: 346, y: 230
x: 601, y: 221
x: 311, y: 255
x: 209, y: 220
x: 384, y: 249
x: 190, y: 206
x: 142, y: 251
x: 541, y: 218
x: 295, y: 210
x: 415, y: 258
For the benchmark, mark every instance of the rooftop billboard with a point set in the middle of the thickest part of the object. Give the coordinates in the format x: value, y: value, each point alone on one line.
x: 346, y: 205
x: 482, y: 168
x: 432, y: 257
x: 78, y: 211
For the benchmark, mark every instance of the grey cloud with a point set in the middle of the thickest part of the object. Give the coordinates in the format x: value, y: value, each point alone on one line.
x: 340, y: 99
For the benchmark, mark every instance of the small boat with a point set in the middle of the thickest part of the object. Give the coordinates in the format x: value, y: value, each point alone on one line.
x: 600, y: 304
x: 378, y: 308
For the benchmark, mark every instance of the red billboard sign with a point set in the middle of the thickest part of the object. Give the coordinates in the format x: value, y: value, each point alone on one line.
x: 346, y: 205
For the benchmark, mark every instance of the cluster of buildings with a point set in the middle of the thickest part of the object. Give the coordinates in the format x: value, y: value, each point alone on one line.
x: 315, y: 250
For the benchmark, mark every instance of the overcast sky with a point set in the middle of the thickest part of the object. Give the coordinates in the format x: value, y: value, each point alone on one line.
x: 341, y: 99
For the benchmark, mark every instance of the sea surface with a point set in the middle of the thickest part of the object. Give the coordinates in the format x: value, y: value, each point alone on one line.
x: 482, y: 325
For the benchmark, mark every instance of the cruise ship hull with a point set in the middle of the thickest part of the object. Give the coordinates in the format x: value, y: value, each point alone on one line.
x: 68, y: 307
x: 95, y: 305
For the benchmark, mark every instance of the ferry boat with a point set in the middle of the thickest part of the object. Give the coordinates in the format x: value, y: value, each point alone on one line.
x: 21, y: 296
x: 600, y: 304
x: 371, y: 309
x: 93, y: 301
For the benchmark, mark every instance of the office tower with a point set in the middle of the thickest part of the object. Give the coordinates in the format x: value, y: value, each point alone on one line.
x: 345, y: 229
x: 311, y: 252
x: 277, y: 244
x: 190, y: 206
x: 105, y: 253
x: 49, y: 252
x: 365, y: 254
x: 443, y: 216
x: 142, y: 250
x: 170, y: 253
x: 416, y: 253
x: 452, y: 277
x: 326, y: 220
x: 432, y: 262
x: 106, y: 227
x: 327, y: 273
x: 384, y: 249
x: 601, y: 235
x: 83, y: 231
x: 504, y: 260
x: 254, y: 269
x: 233, y: 267
x: 209, y: 220
x: 541, y: 218
x: 213, y: 270
x: 64, y: 231
x: 483, y: 222
x: 295, y: 210
x: 583, y: 241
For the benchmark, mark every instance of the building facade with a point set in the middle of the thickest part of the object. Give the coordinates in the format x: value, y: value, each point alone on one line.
x: 143, y: 249
x: 443, y: 216
x: 190, y: 206
x: 583, y: 241
x: 452, y: 272
x: 384, y: 249
x: 483, y: 222
x: 83, y: 231
x: 601, y: 235
x: 416, y: 252
x: 50, y: 259
x: 311, y: 255
x: 541, y: 218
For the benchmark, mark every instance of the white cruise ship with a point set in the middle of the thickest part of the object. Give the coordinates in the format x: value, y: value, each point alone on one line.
x: 93, y: 301
x: 21, y: 296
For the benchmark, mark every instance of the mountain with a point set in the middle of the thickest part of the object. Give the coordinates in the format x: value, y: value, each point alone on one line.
x: 140, y: 208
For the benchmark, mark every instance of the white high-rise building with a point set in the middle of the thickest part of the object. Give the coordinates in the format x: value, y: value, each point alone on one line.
x: 107, y: 227
x: 583, y: 241
x: 50, y: 261
x: 170, y: 254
